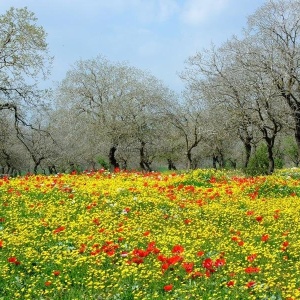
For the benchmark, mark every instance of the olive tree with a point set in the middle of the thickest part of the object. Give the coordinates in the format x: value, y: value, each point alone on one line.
x: 273, y: 31
x: 24, y: 60
x: 122, y: 103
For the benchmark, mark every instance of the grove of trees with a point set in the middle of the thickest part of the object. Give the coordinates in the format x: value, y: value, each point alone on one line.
x: 240, y: 107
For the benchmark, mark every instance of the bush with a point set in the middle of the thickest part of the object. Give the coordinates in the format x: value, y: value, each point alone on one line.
x: 102, y: 162
x: 259, y: 162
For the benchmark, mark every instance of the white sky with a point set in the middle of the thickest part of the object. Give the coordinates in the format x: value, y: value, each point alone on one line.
x: 153, y: 35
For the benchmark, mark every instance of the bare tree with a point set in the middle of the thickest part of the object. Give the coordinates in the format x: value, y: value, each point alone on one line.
x: 273, y: 31
x: 24, y: 60
x: 121, y: 101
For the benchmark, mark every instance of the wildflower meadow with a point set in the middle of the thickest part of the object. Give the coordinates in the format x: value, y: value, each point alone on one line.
x: 203, y: 234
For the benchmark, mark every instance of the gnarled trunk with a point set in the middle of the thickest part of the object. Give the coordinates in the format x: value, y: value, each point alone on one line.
x: 112, y: 158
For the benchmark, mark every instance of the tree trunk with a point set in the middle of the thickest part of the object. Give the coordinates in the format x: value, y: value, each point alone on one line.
x: 215, y: 161
x: 112, y: 159
x: 297, y: 129
x: 52, y: 169
x: 271, y: 159
x: 171, y: 165
x: 189, y: 159
x: 248, y: 149
x: 144, y: 163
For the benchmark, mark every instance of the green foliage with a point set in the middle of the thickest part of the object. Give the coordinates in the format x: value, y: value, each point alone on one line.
x: 259, y: 162
x: 103, y: 163
x: 291, y: 150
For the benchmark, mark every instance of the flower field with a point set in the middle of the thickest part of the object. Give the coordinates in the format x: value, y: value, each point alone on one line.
x: 198, y: 235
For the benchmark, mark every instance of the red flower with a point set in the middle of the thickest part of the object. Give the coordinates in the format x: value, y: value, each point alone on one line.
x: 137, y: 260
x: 259, y: 218
x: 197, y: 274
x: 177, y: 249
x: 250, y: 284
x: 220, y: 262
x: 48, y: 283
x: 264, y: 237
x: 230, y: 283
x: 174, y: 259
x: 165, y: 267
x: 1, y: 243
x: 241, y: 243
x: 96, y: 221
x: 188, y: 266
x: 13, y: 260
x: 168, y: 287
x: 56, y: 273
x: 82, y: 248
x: 200, y: 253
x: 207, y: 263
x: 250, y: 270
x: 251, y: 257
x: 285, y: 244
x: 59, y: 229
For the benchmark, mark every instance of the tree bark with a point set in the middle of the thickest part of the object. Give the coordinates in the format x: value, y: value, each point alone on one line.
x: 171, y: 165
x: 112, y: 158
x: 144, y: 163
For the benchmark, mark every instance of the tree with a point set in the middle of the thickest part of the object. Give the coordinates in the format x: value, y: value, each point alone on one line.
x: 24, y: 60
x: 121, y: 101
x: 275, y: 45
x: 214, y: 78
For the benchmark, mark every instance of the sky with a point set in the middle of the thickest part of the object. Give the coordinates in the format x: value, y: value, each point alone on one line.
x: 156, y: 36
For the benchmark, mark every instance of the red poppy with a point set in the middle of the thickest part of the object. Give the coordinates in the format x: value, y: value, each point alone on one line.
x: 96, y: 221
x: 137, y: 260
x: 200, y: 253
x: 230, y: 283
x: 174, y: 259
x: 168, y: 287
x: 164, y: 267
x: 197, y: 274
x: 207, y: 263
x: 1, y: 243
x: 250, y: 270
x: 251, y: 257
x: 13, y: 260
x: 162, y: 258
x: 285, y: 244
x: 177, y: 249
x: 59, y: 229
x: 264, y: 237
x: 220, y: 262
x: 259, y: 218
x: 48, y: 283
x: 188, y: 266
x: 241, y: 243
x: 82, y: 248
x: 56, y: 273
x: 250, y: 284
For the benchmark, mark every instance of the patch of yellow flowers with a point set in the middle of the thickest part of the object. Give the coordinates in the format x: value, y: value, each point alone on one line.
x: 128, y: 235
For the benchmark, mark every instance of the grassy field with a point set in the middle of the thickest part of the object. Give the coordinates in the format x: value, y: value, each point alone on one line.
x: 199, y: 235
